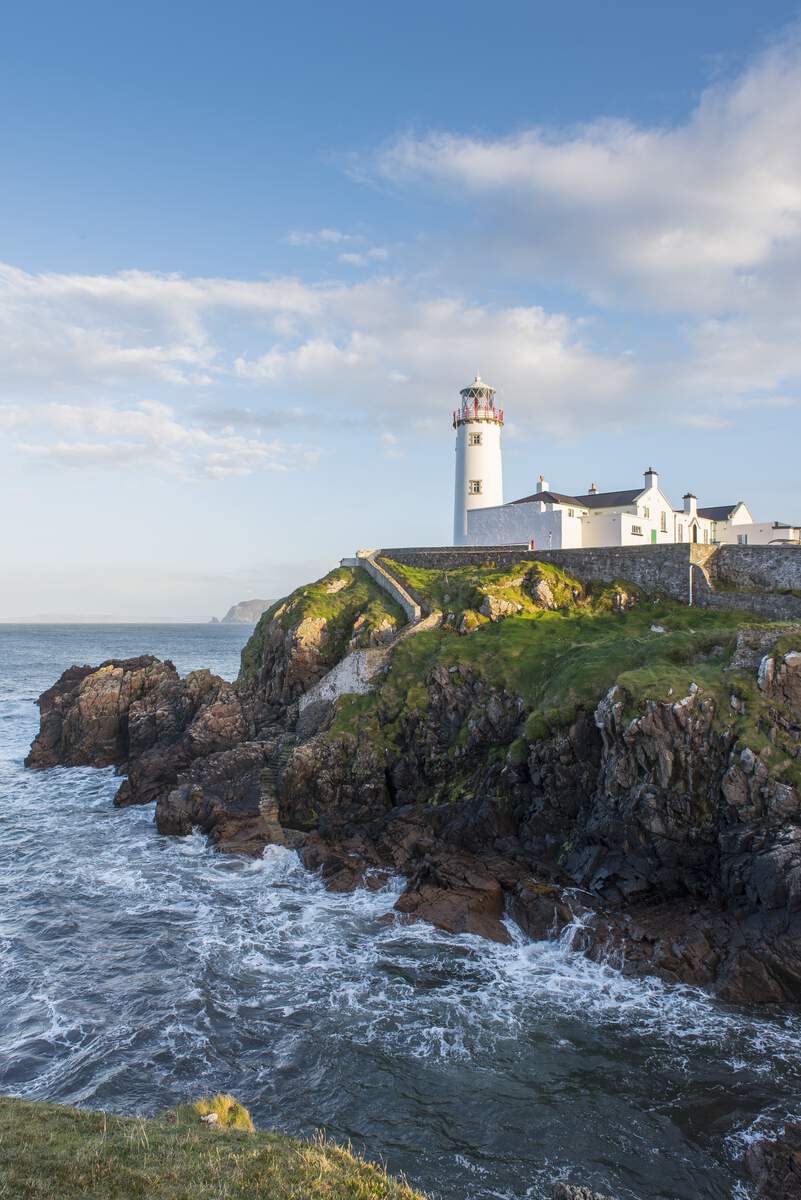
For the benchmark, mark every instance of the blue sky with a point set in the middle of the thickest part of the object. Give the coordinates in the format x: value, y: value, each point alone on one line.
x: 250, y: 254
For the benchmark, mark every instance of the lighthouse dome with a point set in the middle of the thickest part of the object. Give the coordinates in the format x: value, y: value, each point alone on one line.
x: 478, y: 390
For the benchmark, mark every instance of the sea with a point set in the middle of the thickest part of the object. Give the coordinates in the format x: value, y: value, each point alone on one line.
x: 138, y: 971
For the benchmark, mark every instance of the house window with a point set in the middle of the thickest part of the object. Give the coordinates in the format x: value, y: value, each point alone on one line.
x: 663, y: 522
x: 706, y: 537
x: 474, y: 439
x: 474, y: 487
x: 646, y: 512
x: 742, y: 539
x: 571, y: 512
x: 680, y: 529
x: 637, y: 530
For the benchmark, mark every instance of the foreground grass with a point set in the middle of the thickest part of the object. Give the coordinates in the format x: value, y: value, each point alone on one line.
x: 50, y: 1152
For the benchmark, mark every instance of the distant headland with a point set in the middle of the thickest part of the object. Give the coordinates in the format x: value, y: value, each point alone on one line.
x: 246, y: 612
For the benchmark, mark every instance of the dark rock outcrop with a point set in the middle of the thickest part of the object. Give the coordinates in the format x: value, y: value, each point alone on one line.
x: 774, y: 1164
x: 569, y: 1191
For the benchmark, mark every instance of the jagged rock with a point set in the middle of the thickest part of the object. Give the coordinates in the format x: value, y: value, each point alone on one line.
x: 221, y: 795
x: 570, y: 1191
x: 782, y: 681
x: 496, y: 608
x: 100, y: 716
x: 458, y: 894
x: 774, y: 1163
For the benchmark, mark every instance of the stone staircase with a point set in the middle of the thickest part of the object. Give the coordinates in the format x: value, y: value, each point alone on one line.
x: 269, y: 781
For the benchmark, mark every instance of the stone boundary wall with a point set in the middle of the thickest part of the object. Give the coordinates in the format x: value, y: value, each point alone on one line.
x: 759, y: 575
x: 766, y: 568
x: 772, y: 606
x: 664, y: 569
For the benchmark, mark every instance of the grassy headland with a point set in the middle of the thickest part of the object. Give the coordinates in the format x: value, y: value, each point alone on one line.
x: 565, y: 657
x: 51, y: 1152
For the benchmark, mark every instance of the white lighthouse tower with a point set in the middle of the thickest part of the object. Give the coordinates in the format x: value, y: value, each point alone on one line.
x: 479, y: 474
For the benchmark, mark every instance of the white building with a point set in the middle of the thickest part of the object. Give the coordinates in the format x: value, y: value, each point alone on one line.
x: 555, y: 520
x: 479, y: 465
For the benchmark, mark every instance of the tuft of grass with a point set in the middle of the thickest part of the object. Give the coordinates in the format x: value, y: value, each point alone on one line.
x: 229, y: 1112
x: 52, y: 1152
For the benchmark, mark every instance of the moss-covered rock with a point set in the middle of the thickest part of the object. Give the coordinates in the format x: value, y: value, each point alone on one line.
x: 301, y: 637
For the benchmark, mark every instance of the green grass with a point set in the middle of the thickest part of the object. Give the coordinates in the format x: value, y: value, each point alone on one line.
x: 50, y: 1152
x: 349, y: 601
x: 461, y: 591
x: 565, y: 661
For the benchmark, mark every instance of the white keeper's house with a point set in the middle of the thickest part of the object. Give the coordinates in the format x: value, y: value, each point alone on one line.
x: 556, y: 520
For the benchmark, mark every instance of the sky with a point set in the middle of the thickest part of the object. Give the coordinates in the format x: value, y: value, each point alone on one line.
x: 249, y: 254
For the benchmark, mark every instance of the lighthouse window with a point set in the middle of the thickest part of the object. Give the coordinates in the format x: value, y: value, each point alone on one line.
x: 474, y: 487
x: 475, y: 439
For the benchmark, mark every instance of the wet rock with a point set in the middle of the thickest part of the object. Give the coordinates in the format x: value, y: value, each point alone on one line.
x: 570, y: 1191
x: 774, y: 1164
x: 221, y: 795
x: 458, y: 894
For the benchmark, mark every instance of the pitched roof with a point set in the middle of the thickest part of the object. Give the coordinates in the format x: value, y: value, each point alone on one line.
x: 590, y: 500
x: 548, y: 498
x: 610, y: 499
x: 720, y: 512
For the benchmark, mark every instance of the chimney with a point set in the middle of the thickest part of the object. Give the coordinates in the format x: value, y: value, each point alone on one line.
x: 690, y: 504
x: 593, y: 489
x: 542, y: 484
x: 651, y: 478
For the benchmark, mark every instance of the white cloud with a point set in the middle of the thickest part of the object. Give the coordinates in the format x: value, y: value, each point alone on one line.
x: 690, y: 217
x: 353, y: 258
x: 321, y: 237
x: 290, y: 347
x: 151, y: 435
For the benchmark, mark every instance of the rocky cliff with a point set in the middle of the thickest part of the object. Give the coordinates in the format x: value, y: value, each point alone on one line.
x: 582, y: 758
x: 246, y: 612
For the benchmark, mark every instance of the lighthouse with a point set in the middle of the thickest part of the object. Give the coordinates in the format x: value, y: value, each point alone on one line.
x: 479, y: 474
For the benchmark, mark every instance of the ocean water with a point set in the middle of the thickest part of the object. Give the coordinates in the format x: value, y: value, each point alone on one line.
x: 139, y: 971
